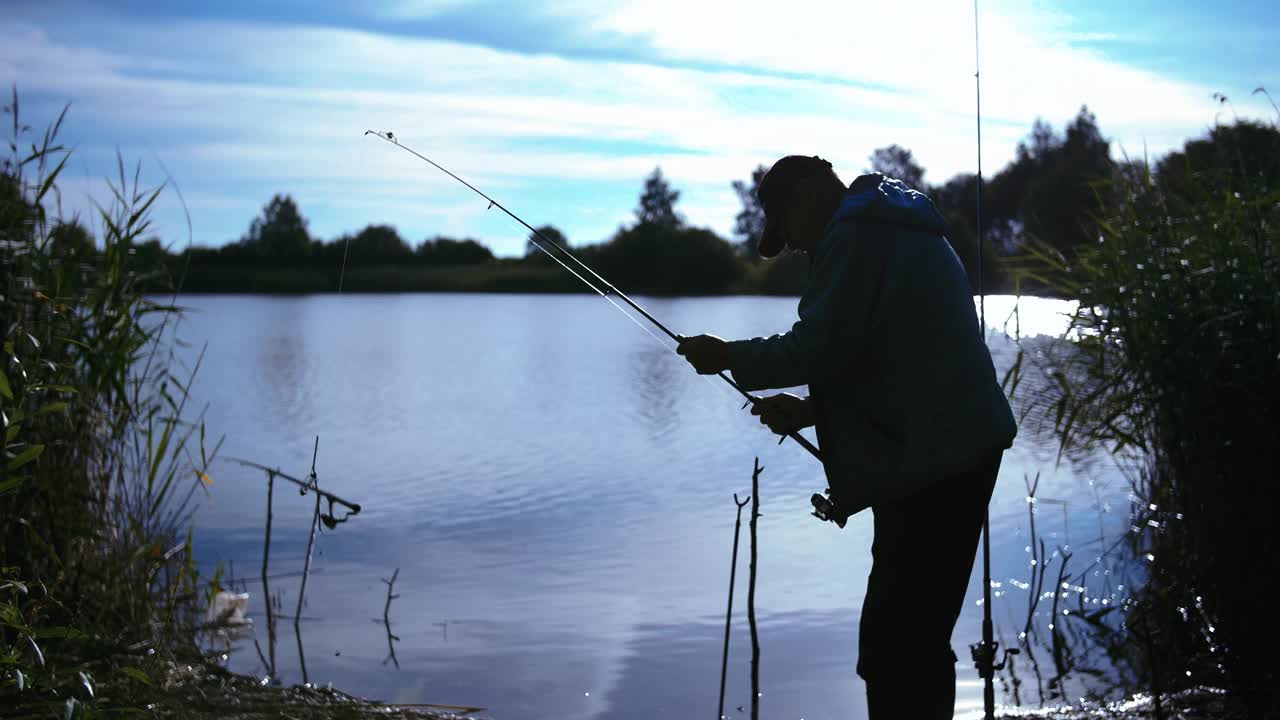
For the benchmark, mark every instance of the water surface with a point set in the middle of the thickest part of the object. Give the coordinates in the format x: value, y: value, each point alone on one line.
x: 555, y: 488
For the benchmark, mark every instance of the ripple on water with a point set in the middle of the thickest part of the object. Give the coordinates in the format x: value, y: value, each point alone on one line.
x: 543, y: 470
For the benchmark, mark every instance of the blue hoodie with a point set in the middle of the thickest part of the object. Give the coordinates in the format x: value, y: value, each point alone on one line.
x: 903, y: 387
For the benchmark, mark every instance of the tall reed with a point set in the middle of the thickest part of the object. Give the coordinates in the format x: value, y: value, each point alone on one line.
x: 101, y: 451
x: 1175, y: 354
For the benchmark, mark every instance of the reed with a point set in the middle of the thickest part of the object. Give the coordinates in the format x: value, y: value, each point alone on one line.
x: 102, y: 607
x: 1174, y: 361
x: 102, y: 451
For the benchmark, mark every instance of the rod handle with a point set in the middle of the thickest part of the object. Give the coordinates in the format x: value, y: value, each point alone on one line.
x: 804, y: 443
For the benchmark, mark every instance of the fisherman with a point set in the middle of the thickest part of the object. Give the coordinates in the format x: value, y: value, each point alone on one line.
x: 910, y: 419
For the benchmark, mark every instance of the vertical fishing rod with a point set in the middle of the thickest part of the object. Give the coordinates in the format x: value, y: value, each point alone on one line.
x: 606, y: 288
x: 984, y: 653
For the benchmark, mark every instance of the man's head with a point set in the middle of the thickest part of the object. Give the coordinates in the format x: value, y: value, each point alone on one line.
x: 799, y: 195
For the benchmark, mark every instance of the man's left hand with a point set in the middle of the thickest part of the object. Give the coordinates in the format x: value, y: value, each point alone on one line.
x: 708, y: 354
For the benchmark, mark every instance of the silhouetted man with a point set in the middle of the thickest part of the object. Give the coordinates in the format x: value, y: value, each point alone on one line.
x: 909, y: 416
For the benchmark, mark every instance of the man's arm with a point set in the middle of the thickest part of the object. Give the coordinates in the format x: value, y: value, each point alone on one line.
x: 845, y: 274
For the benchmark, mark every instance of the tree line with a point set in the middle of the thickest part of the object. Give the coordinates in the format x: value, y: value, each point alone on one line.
x: 1051, y: 194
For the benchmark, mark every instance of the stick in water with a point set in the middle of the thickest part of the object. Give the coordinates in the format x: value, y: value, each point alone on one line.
x: 751, y: 595
x: 314, y: 484
x: 266, y: 589
x: 733, y: 569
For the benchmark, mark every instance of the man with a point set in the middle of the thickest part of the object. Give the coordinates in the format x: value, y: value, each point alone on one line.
x: 910, y: 419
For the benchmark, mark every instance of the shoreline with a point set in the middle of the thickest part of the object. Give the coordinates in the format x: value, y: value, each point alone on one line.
x: 206, y: 690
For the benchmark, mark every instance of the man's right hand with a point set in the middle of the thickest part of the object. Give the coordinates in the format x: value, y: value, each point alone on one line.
x: 784, y: 413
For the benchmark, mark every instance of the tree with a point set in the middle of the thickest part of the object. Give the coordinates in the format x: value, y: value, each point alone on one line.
x: 653, y: 258
x: 18, y: 218
x: 896, y: 161
x: 376, y: 243
x: 72, y: 249
x: 658, y: 202
x: 1244, y: 151
x: 551, y: 233
x: 447, y: 251
x: 71, y: 240
x: 1043, y: 141
x: 748, y: 226
x: 1050, y: 192
x: 279, y: 232
x: 957, y: 200
x: 1064, y: 190
x: 149, y: 256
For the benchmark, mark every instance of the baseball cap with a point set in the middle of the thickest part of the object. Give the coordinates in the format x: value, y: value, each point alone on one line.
x: 772, y: 192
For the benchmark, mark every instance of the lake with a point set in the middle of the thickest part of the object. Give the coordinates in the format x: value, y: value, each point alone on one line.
x: 556, y: 488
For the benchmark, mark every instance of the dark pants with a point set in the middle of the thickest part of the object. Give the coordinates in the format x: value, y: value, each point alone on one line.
x: 922, y: 556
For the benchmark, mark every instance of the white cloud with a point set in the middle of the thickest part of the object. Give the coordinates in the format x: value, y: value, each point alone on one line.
x: 227, y: 103
x: 417, y: 9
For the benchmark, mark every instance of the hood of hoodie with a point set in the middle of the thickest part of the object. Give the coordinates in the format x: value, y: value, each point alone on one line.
x: 879, y: 198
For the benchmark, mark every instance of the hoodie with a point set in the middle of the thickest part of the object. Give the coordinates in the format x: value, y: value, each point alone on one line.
x: 902, y: 384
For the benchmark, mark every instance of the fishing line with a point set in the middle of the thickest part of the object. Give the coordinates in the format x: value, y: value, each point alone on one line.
x: 346, y: 245
x: 602, y: 294
x: 609, y: 288
x: 605, y: 295
x: 536, y: 240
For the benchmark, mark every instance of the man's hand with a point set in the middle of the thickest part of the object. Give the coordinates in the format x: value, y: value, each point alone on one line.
x: 708, y: 354
x: 784, y: 413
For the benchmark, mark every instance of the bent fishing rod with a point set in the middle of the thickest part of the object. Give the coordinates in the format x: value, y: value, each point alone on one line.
x: 606, y: 288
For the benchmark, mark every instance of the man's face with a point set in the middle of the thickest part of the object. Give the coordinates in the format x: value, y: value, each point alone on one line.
x: 800, y: 222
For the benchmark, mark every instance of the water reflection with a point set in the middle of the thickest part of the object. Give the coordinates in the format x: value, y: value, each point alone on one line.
x: 392, y: 638
x: 671, y: 669
x: 556, y: 563
x: 655, y: 389
x: 1068, y: 623
x: 281, y: 366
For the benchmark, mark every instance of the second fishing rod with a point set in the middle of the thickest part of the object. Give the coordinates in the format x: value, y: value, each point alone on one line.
x: 604, y: 290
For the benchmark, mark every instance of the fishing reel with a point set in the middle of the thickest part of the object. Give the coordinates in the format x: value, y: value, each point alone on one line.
x: 984, y: 658
x: 824, y: 508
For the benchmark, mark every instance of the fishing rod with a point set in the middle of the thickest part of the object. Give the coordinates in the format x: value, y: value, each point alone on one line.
x: 606, y: 288
x: 305, y: 486
x: 984, y: 652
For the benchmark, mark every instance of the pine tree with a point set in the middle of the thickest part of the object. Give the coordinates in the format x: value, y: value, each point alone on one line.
x: 658, y: 202
x: 748, y: 226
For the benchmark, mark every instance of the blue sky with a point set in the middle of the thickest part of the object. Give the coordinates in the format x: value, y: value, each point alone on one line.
x: 559, y: 109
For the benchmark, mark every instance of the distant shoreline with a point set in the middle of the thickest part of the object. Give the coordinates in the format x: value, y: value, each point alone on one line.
x: 496, y: 278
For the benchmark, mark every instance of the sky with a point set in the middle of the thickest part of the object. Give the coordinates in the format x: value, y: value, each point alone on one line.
x: 559, y: 109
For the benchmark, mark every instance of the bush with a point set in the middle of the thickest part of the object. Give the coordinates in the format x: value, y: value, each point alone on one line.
x: 1176, y: 353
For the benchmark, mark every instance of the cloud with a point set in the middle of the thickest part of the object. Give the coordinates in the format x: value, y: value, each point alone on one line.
x: 242, y: 107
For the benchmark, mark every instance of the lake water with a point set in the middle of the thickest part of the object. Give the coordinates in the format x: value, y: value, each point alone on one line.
x: 556, y: 490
